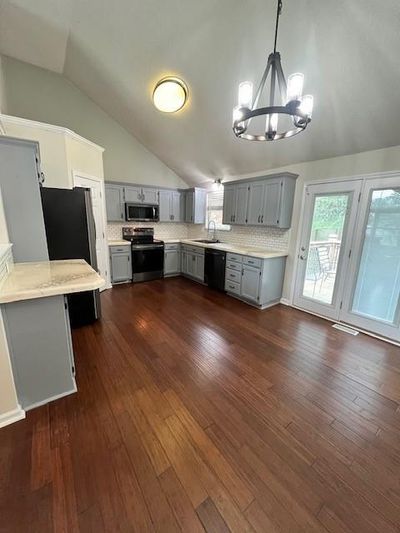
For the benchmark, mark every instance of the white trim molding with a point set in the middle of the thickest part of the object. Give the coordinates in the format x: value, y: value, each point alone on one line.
x: 12, y: 416
x: 9, y: 119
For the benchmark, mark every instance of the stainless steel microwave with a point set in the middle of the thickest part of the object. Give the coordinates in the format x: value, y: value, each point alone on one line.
x: 142, y: 212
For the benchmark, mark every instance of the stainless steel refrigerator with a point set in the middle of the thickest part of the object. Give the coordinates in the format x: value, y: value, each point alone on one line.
x: 71, y: 234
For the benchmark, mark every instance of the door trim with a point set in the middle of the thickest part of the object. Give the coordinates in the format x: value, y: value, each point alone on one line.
x: 78, y: 174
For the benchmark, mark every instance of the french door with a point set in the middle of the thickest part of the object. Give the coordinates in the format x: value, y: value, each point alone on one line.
x: 372, y: 289
x: 329, y: 218
x: 349, y: 256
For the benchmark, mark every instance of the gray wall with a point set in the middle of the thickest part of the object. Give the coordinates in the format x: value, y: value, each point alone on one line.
x: 45, y: 96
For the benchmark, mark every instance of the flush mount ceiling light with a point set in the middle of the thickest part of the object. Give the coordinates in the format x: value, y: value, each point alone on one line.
x: 170, y: 94
x: 288, y: 112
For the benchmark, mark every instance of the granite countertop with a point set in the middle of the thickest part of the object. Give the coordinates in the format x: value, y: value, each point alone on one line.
x: 27, y: 281
x: 120, y: 242
x: 253, y: 251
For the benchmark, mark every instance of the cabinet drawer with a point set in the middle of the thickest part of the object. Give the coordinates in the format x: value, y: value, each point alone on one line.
x: 233, y: 275
x: 168, y: 247
x: 236, y: 258
x: 193, y: 249
x: 119, y: 249
x: 233, y: 266
x: 232, y: 286
x: 252, y: 261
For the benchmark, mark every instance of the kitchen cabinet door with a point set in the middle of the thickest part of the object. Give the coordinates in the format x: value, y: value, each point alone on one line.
x: 114, y: 203
x: 250, y: 286
x: 175, y: 206
x: 171, y: 262
x: 121, y: 267
x: 256, y: 203
x: 133, y: 194
x: 184, y: 261
x: 229, y: 205
x: 165, y: 206
x: 242, y: 194
x: 150, y: 196
x: 189, y: 207
x: 199, y: 268
x: 272, y: 196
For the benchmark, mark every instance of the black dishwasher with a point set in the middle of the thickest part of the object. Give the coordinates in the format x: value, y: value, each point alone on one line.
x: 214, y: 268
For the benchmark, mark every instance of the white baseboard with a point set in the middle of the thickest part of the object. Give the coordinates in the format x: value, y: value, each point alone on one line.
x: 285, y: 301
x: 12, y: 416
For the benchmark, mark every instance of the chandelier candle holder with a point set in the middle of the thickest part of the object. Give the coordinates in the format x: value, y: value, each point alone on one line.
x: 287, y: 107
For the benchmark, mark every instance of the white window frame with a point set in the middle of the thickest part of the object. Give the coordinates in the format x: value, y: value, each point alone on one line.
x: 216, y: 192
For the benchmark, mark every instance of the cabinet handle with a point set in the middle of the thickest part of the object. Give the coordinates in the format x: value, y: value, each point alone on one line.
x: 251, y: 262
x: 262, y: 219
x: 232, y: 275
x: 258, y: 220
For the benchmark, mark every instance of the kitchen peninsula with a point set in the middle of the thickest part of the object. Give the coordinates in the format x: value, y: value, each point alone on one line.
x: 34, y: 307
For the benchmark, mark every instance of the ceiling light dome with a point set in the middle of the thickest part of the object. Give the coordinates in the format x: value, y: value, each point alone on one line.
x: 170, y: 94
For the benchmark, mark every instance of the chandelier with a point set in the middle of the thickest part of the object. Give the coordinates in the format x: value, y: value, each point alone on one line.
x: 288, y: 112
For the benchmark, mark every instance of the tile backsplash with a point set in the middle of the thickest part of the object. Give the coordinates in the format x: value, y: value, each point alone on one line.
x: 271, y: 238
x: 162, y: 230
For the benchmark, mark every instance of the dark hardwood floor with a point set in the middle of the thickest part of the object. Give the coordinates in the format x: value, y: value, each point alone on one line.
x: 196, y: 412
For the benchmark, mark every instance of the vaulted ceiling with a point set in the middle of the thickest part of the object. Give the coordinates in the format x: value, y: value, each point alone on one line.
x: 116, y: 51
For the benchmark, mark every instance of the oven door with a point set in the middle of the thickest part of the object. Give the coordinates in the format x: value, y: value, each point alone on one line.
x: 147, y: 262
x: 141, y: 212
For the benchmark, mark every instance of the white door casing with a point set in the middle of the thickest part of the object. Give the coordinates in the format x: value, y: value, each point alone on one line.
x: 96, y: 186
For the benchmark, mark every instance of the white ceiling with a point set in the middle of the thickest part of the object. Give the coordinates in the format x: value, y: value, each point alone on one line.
x: 116, y: 51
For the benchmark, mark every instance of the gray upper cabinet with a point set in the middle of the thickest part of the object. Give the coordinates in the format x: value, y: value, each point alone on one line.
x: 229, y: 204
x: 271, y: 203
x: 195, y: 205
x: 150, y: 196
x: 240, y: 215
x: 264, y: 201
x: 255, y: 203
x: 141, y: 195
x: 170, y: 207
x: 114, y: 202
x: 133, y: 194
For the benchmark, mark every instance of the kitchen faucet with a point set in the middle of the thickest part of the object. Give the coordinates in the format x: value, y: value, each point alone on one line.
x: 215, y: 230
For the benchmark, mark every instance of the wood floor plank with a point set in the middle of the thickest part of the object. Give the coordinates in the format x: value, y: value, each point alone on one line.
x: 196, y: 412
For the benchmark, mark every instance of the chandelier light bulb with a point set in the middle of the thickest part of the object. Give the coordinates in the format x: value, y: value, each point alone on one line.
x: 295, y: 87
x: 245, y: 97
x: 237, y: 113
x: 307, y: 103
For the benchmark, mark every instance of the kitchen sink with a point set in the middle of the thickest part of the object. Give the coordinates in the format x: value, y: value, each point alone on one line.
x: 206, y: 241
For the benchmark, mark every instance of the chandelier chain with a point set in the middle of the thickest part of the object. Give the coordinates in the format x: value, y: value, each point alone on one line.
x: 278, y: 12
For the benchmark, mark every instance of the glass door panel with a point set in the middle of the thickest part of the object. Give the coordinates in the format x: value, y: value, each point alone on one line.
x: 371, y: 300
x: 378, y: 281
x: 324, y: 248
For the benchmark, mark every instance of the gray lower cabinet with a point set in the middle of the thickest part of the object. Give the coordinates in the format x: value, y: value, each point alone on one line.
x: 39, y: 339
x: 254, y: 280
x: 121, y: 264
x: 114, y: 203
x: 172, y: 260
x: 193, y: 262
x: 250, y: 283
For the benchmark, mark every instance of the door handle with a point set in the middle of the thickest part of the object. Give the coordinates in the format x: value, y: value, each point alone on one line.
x: 302, y: 257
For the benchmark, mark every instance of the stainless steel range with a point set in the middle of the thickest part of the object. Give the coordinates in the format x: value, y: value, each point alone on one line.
x: 147, y: 253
